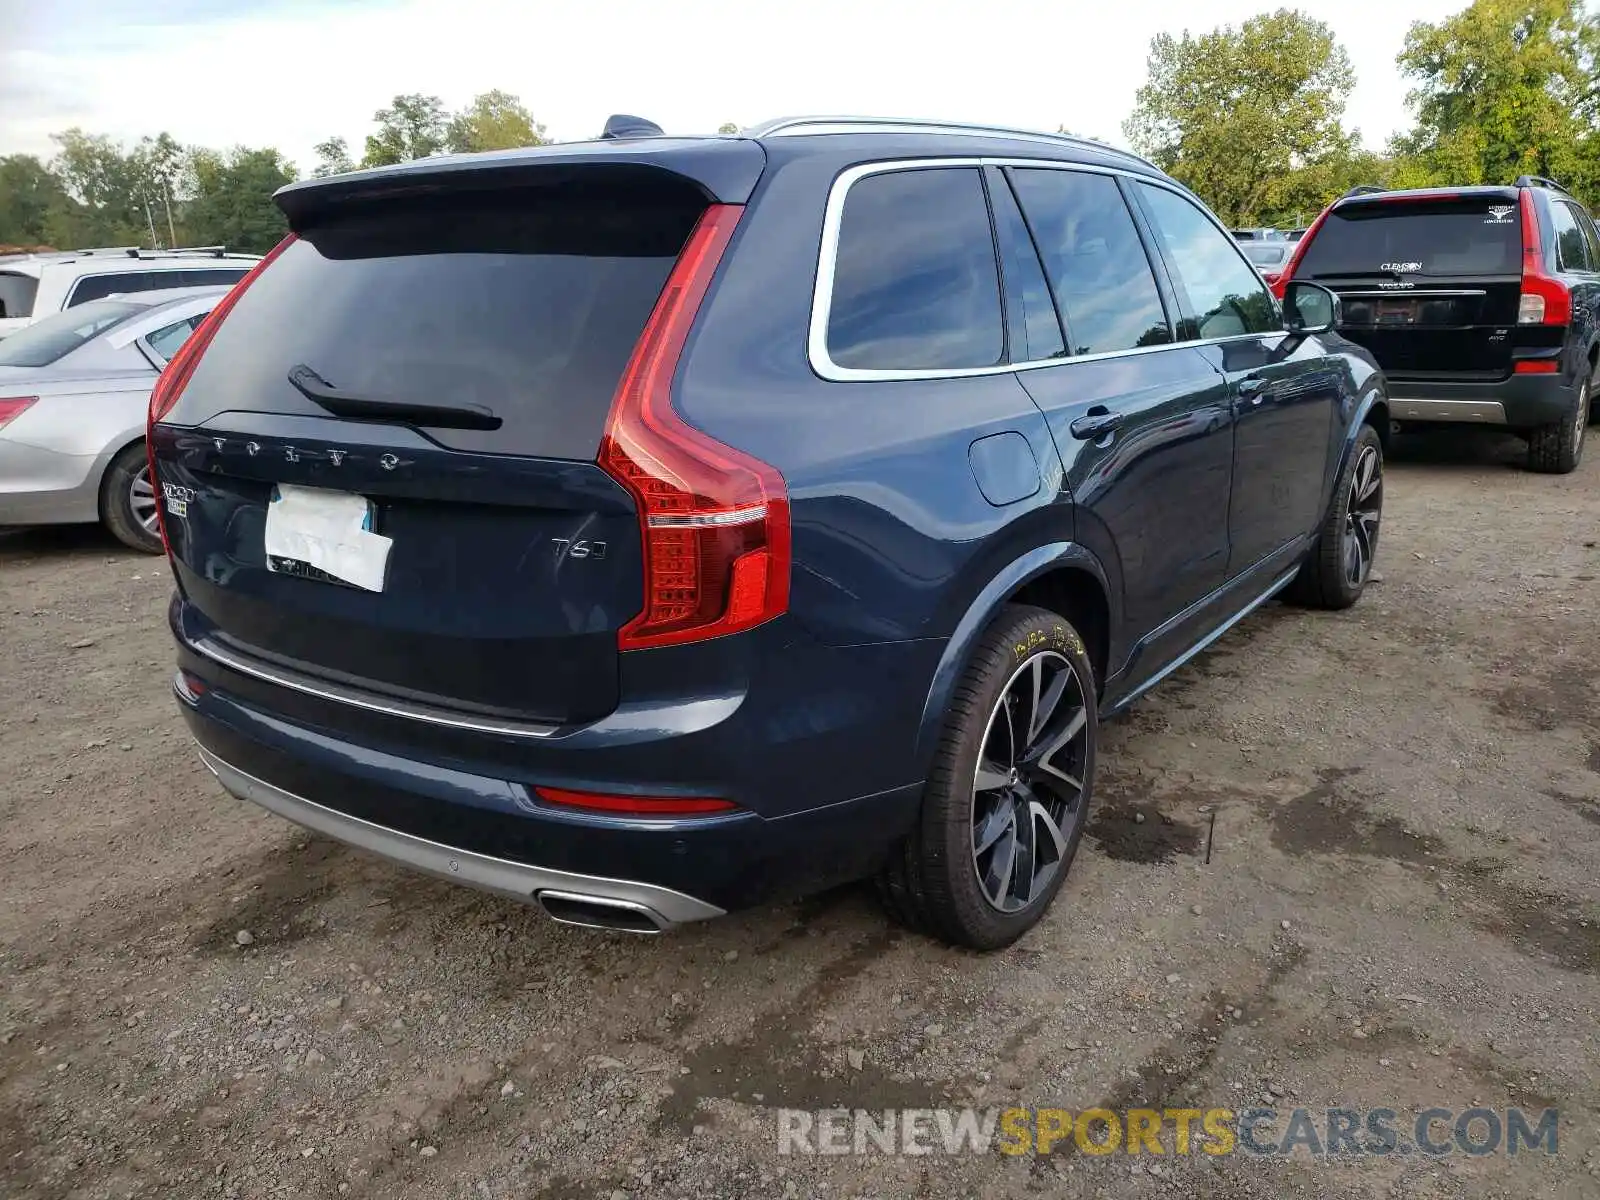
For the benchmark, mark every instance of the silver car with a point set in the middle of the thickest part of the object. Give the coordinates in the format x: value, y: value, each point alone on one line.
x: 74, y: 392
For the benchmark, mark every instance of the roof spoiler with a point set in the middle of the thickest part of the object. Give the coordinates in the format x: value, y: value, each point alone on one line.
x: 1363, y: 189
x: 725, y: 170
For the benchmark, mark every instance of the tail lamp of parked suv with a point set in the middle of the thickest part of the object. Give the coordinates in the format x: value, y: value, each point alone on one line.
x: 715, y: 522
x: 1545, y: 299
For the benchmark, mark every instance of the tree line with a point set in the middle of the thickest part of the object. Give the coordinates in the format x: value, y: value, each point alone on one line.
x: 1251, y: 117
x: 96, y: 192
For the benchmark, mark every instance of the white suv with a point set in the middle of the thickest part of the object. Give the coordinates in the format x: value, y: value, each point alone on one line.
x: 37, y: 285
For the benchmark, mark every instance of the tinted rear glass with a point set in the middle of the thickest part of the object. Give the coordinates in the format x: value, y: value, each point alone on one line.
x: 915, y: 285
x: 526, y: 302
x: 16, y: 294
x: 43, y: 342
x: 1480, y: 236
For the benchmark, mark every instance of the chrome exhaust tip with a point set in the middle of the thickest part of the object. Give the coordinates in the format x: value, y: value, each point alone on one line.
x: 601, y: 912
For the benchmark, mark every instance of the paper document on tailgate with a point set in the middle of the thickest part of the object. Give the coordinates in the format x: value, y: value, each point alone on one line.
x: 329, y: 531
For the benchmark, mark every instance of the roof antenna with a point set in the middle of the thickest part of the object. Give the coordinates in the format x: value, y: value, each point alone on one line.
x: 621, y: 125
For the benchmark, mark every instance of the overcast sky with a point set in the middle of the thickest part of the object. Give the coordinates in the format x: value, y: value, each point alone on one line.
x: 289, y: 73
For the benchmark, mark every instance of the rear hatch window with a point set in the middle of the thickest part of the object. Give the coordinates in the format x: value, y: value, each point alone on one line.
x: 529, y: 308
x: 1430, y: 286
x: 1438, y: 238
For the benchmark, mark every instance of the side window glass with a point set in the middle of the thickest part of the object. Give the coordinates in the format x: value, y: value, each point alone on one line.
x: 915, y: 285
x: 1035, y: 328
x: 1570, y: 244
x: 167, y: 340
x: 1225, y: 295
x: 98, y: 287
x: 1591, y: 238
x: 1094, y: 258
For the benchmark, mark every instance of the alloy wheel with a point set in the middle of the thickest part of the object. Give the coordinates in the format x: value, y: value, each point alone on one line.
x: 1363, y: 512
x: 1028, y: 790
x: 1581, y: 421
x: 142, y: 500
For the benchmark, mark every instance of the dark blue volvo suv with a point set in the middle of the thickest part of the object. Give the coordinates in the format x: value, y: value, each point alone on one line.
x: 654, y: 526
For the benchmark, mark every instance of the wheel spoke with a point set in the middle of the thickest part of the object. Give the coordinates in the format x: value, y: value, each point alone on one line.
x: 986, y: 752
x: 1027, y: 857
x: 1048, y: 704
x: 991, y: 776
x: 993, y: 826
x: 1002, y: 867
x: 1367, y: 476
x: 1039, y: 815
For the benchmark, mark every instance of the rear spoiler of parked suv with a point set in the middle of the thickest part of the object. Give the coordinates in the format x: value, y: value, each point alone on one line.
x: 725, y: 170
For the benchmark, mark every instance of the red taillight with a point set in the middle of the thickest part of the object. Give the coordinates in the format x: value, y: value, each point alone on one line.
x: 659, y: 806
x: 175, y: 375
x: 714, y: 521
x: 1537, y: 366
x: 12, y: 407
x: 1545, y: 299
x: 1279, y: 285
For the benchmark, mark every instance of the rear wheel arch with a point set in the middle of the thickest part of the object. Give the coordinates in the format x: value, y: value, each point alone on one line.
x: 1065, y: 578
x: 1079, y: 595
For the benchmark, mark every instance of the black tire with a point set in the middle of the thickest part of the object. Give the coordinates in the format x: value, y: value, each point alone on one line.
x: 1329, y: 577
x: 117, y: 501
x: 932, y: 882
x: 1557, y: 449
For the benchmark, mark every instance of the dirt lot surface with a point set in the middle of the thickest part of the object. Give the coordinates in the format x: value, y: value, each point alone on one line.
x: 1401, y: 909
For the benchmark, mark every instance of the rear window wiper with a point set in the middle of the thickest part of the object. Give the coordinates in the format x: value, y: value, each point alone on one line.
x: 442, y: 414
x: 1354, y: 274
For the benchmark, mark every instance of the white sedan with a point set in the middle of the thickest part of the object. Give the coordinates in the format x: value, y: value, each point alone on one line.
x: 74, y: 391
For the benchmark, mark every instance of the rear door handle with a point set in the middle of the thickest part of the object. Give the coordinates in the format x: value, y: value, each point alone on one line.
x: 1095, y: 424
x: 1254, y: 389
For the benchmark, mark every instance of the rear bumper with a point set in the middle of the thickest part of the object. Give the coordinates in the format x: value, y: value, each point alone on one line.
x: 522, y: 881
x: 469, y: 812
x: 46, y: 487
x: 1520, y: 402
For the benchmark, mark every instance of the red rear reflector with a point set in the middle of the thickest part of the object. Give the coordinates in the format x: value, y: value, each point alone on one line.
x: 175, y: 375
x: 636, y: 805
x: 714, y: 521
x: 12, y: 407
x: 1537, y: 366
x: 1545, y: 300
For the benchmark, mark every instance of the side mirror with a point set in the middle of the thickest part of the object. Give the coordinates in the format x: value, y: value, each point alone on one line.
x: 1310, y: 308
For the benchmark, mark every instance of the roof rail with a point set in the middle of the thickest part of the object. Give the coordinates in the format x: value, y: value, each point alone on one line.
x: 102, y: 250
x: 800, y: 126
x: 1539, y: 181
x: 1363, y: 189
x: 178, y: 251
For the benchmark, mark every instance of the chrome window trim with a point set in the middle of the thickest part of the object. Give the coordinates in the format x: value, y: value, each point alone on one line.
x: 822, y: 294
x: 1408, y: 293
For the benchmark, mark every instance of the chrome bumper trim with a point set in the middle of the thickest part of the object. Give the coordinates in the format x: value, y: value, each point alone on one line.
x: 393, y: 708
x: 517, y: 880
x: 1480, y: 412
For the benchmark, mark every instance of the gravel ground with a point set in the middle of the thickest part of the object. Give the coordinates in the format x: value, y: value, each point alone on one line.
x: 1401, y: 908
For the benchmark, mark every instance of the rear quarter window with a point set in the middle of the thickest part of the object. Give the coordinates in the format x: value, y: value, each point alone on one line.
x: 915, y: 285
x: 16, y: 294
x: 1468, y: 236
